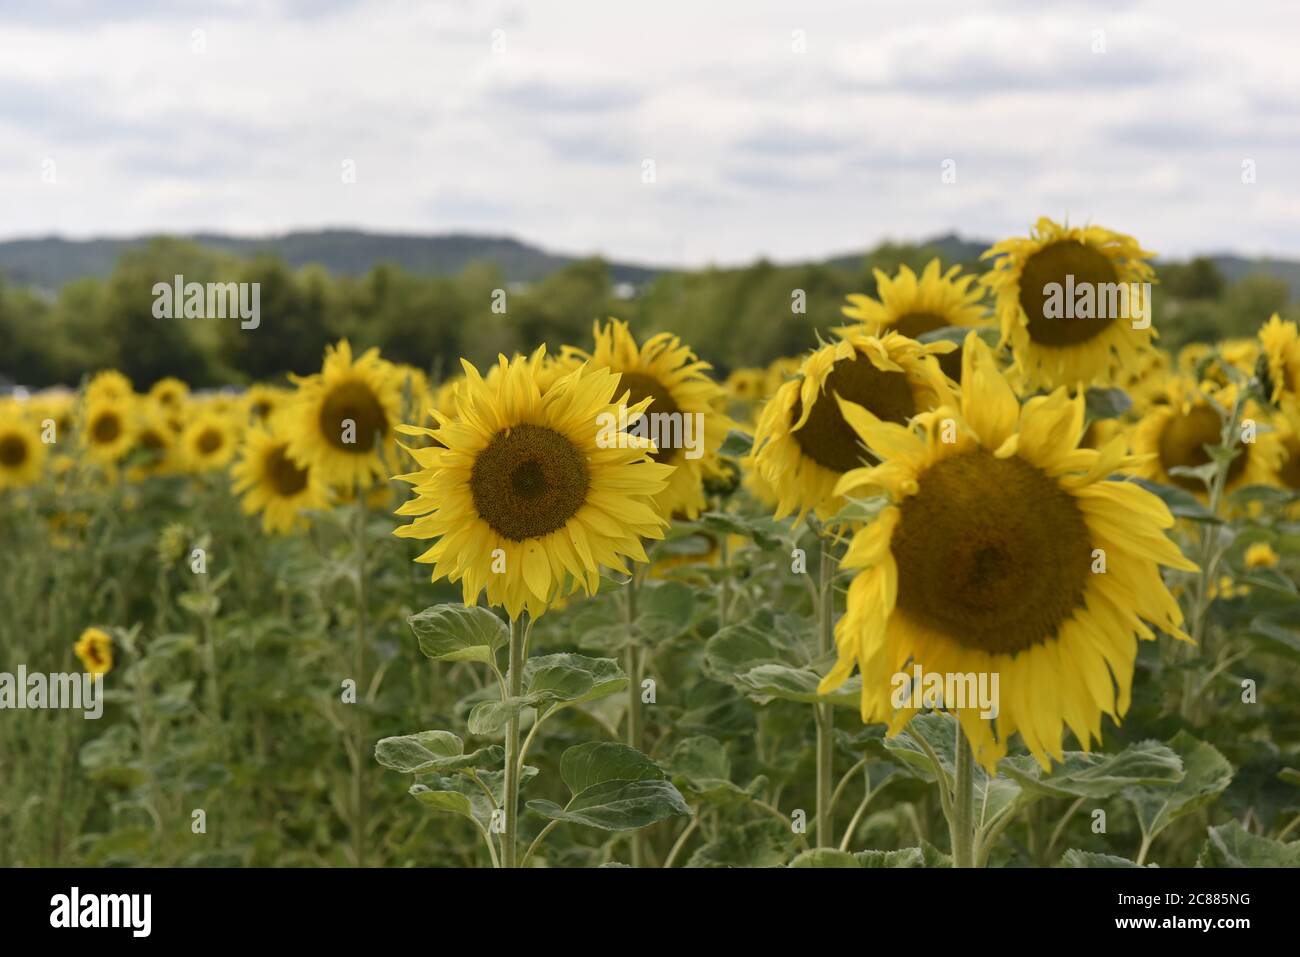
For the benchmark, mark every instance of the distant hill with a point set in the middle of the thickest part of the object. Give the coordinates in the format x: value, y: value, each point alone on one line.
x: 51, y: 262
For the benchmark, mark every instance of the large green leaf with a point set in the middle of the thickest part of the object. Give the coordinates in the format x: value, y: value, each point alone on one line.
x: 459, y: 633
x: 825, y: 857
x: 927, y: 855
x: 1231, y: 845
x: 568, y: 678
x: 1208, y: 773
x: 1098, y: 775
x: 433, y: 750
x: 771, y: 657
x: 584, y: 766
x: 618, y: 805
x: 664, y: 611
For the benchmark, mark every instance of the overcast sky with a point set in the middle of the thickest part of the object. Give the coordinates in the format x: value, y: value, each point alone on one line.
x: 792, y: 130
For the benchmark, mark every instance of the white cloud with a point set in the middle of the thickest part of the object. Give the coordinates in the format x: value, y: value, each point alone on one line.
x: 759, y: 149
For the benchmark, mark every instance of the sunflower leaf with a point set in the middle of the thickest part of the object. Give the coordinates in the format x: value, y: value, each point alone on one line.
x: 433, y: 750
x: 459, y: 633
x: 567, y: 678
x: 736, y: 444
x: 618, y: 805
x: 586, y: 765
x: 1083, y: 774
x: 1077, y: 858
x: 1208, y: 773
x: 1231, y: 845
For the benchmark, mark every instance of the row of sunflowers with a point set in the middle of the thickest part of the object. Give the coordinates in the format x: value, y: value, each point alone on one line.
x: 1006, y: 492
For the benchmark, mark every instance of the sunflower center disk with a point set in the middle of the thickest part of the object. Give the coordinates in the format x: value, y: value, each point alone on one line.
x: 916, y: 324
x: 830, y: 441
x: 209, y: 441
x: 1053, y: 264
x: 528, y: 482
x: 1290, y: 471
x: 106, y: 428
x: 642, y: 386
x: 352, y: 402
x: 13, y: 451
x: 285, y: 477
x: 1183, y: 441
x: 991, y: 552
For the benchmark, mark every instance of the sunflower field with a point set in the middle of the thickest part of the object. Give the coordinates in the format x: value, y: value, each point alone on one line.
x: 966, y: 580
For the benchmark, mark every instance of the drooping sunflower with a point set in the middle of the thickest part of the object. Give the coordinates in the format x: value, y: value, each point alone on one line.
x: 341, y: 421
x: 803, y: 444
x: 209, y: 442
x: 22, y: 453
x: 1031, y: 277
x: 107, y: 431
x: 95, y: 650
x: 273, y: 484
x: 1175, y: 434
x: 683, y: 397
x: 523, y: 496
x: 914, y: 305
x: 1279, y: 366
x: 1004, y: 550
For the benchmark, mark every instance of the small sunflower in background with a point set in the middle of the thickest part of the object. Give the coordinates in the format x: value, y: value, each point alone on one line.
x: 341, y: 421
x: 913, y: 305
x: 95, y: 649
x: 1279, y: 366
x: 107, y: 432
x: 58, y: 406
x: 22, y: 453
x: 170, y: 393
x: 986, y: 561
x: 156, y: 440
x: 1260, y: 555
x: 273, y: 485
x: 803, y: 444
x: 676, y: 382
x: 1175, y: 434
x: 522, y: 497
x: 209, y: 442
x: 1052, y: 349
x: 264, y: 402
x: 109, y: 384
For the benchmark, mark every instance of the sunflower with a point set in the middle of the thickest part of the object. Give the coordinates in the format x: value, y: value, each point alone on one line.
x: 340, y: 423
x: 95, y: 649
x: 1051, y: 349
x: 271, y: 483
x: 912, y: 306
x: 209, y: 442
x: 155, y: 449
x: 1279, y: 366
x: 58, y: 406
x: 803, y: 444
x: 669, y: 374
x: 170, y: 393
x: 107, y: 433
x: 262, y: 402
x: 22, y: 453
x: 109, y: 384
x: 523, y: 496
x: 986, y: 561
x: 1175, y: 434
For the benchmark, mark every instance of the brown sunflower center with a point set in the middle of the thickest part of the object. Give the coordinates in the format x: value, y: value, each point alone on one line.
x: 93, y: 653
x: 991, y: 552
x: 354, y: 403
x: 283, y: 475
x: 1183, y: 442
x: 916, y: 324
x: 151, y: 441
x: 642, y: 386
x: 106, y: 428
x: 1053, y: 265
x: 13, y: 451
x: 528, y: 482
x: 830, y: 441
x: 209, y: 440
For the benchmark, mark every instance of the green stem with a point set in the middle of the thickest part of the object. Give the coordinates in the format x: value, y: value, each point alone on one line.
x: 358, y: 670
x: 635, y: 727
x: 515, y: 679
x: 824, y: 715
x: 724, y: 584
x: 961, y: 824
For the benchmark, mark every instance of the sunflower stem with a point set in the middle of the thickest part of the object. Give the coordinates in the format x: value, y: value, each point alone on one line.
x: 961, y: 826
x: 358, y: 668
x: 635, y: 729
x: 515, y: 681
x: 824, y: 716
